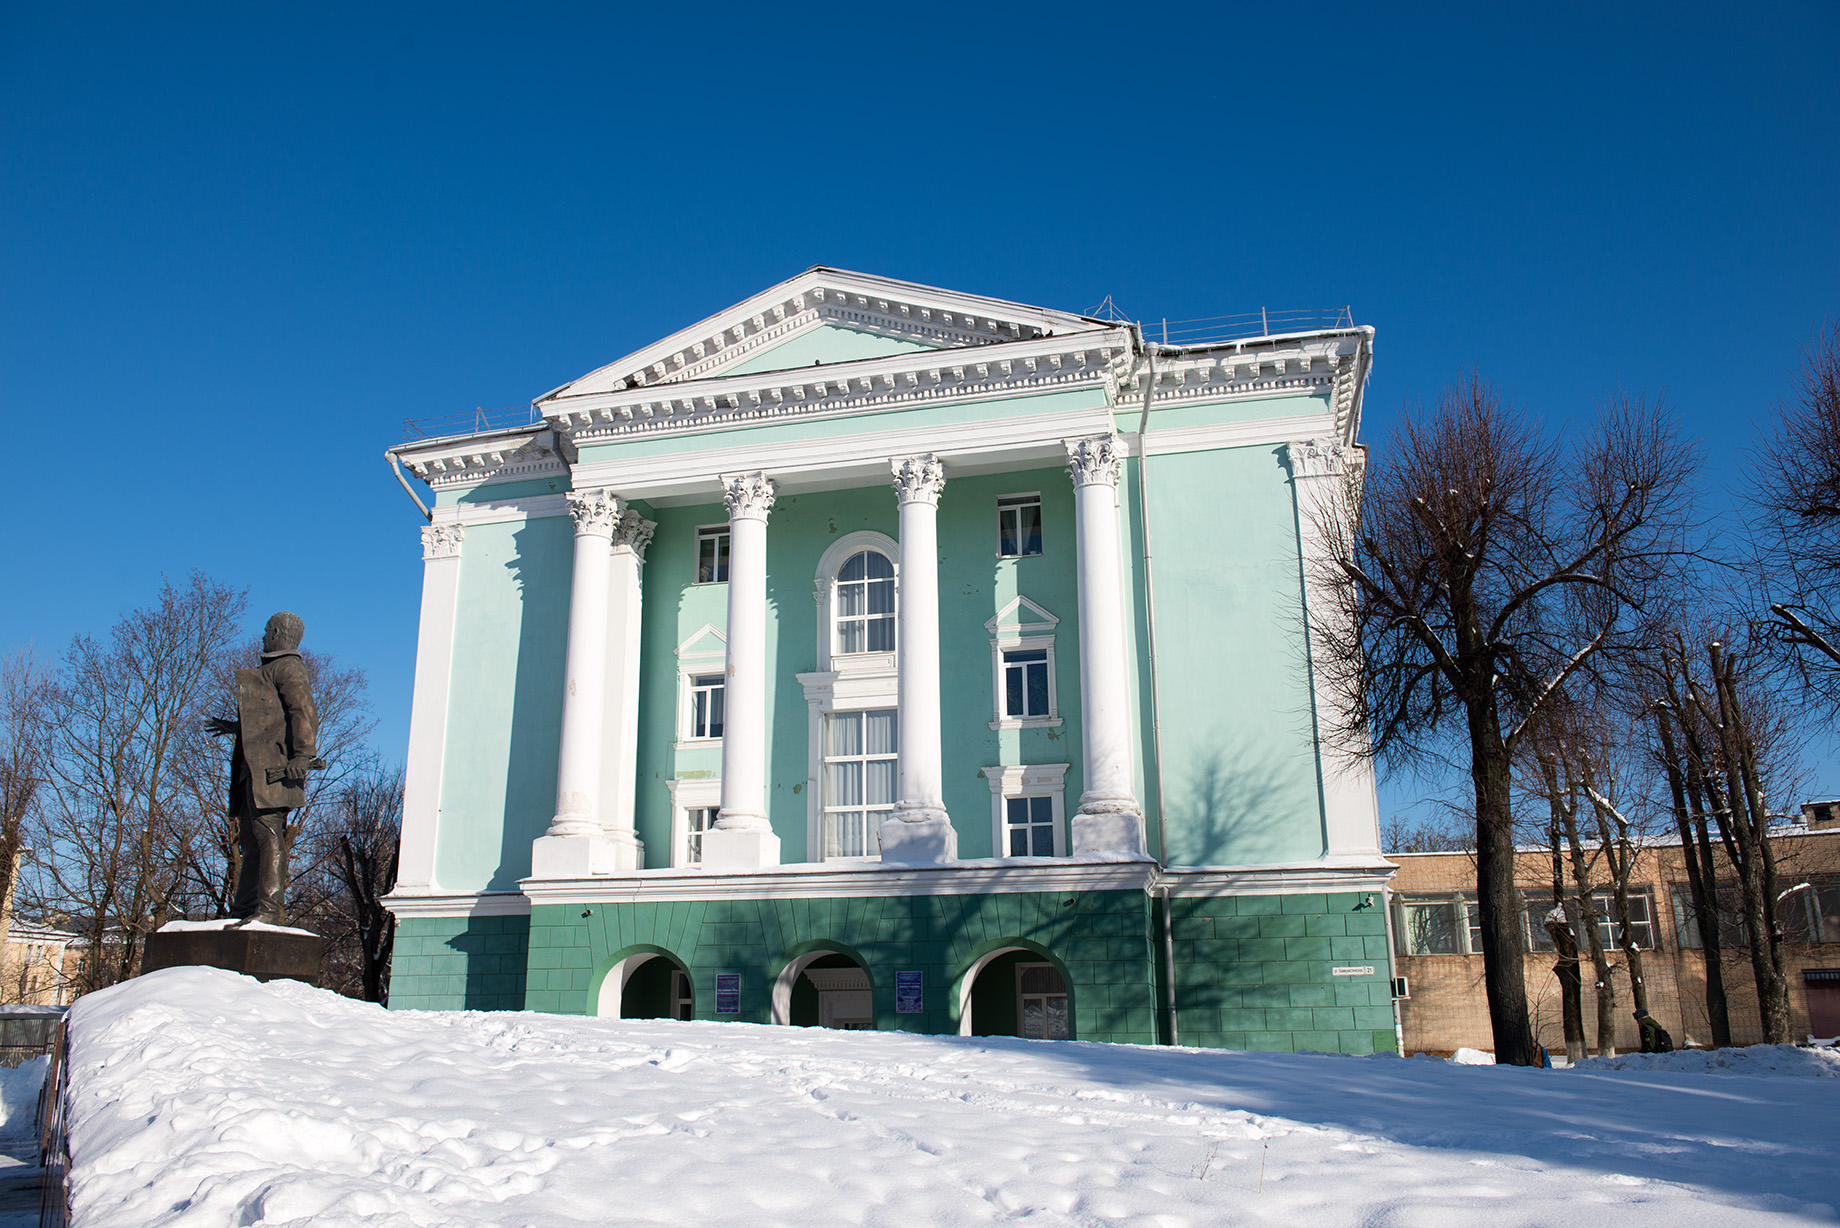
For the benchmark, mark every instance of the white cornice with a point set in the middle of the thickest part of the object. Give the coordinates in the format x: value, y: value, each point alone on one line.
x: 1212, y: 436
x: 1295, y: 878
x: 1006, y: 369
x: 487, y: 904
x: 855, y: 459
x: 861, y: 880
x: 491, y: 456
x: 818, y: 296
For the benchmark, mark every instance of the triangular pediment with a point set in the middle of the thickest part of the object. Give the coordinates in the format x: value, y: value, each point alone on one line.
x: 824, y: 316
x: 1022, y: 617
x: 706, y: 641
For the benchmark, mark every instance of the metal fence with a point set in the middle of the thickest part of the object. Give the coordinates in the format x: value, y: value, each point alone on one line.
x: 54, y: 1136
x: 471, y: 424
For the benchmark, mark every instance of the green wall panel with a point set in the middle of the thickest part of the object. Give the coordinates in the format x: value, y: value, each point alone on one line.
x: 459, y: 963
x: 498, y: 774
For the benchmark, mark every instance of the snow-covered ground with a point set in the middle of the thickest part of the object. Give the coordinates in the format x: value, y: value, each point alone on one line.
x: 203, y: 1098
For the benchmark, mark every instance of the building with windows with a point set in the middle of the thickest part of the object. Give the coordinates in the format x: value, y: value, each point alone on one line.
x: 875, y: 655
x: 1439, y: 946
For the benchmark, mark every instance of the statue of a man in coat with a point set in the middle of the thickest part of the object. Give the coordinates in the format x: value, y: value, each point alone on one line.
x: 274, y: 727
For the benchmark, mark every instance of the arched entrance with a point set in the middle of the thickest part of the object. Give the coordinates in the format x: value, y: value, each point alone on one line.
x: 824, y: 989
x: 646, y: 985
x: 1015, y: 991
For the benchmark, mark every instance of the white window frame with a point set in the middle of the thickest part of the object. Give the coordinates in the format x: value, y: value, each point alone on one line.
x: 705, y: 652
x: 1027, y: 780
x: 1009, y: 633
x: 893, y: 617
x: 704, y: 531
x: 847, y: 682
x: 693, y: 793
x: 997, y: 505
x: 1464, y: 931
x: 824, y: 810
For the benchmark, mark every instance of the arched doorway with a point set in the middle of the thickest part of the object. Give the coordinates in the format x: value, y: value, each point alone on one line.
x: 1015, y: 991
x: 824, y: 989
x: 646, y: 985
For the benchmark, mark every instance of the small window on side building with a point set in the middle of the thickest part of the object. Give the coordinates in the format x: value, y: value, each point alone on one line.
x: 712, y: 554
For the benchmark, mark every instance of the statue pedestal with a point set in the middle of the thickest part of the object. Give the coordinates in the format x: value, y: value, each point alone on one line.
x: 267, y: 954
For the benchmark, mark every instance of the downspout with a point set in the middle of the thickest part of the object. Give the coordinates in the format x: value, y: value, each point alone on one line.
x: 1156, y: 722
x: 396, y: 468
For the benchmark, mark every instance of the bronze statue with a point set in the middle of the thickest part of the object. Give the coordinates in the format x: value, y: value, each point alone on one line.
x: 274, y: 727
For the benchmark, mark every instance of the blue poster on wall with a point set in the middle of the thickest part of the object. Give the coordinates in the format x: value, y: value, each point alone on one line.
x: 908, y: 998
x: 728, y: 993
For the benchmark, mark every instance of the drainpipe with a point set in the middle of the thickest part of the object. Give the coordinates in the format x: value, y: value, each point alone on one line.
x: 1156, y: 723
x: 396, y: 468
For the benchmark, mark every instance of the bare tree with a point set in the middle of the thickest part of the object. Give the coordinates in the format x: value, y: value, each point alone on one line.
x: 1733, y: 739
x: 354, y: 842
x: 1488, y: 570
x: 1796, y: 491
x: 24, y: 689
x: 106, y: 851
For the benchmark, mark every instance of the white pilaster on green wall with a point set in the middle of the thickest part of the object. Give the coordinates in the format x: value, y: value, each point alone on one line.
x: 428, y: 708
x: 742, y: 839
x: 1109, y: 818
x: 1351, y: 818
x: 920, y: 830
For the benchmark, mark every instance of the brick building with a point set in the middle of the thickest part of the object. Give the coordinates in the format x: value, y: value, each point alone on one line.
x: 1439, y: 955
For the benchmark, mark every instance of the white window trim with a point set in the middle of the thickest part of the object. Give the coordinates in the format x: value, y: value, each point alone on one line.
x: 1020, y: 634
x: 694, y: 793
x: 849, y: 682
x: 825, y: 594
x: 705, y: 652
x: 997, y: 505
x: 696, y: 546
x: 1027, y: 780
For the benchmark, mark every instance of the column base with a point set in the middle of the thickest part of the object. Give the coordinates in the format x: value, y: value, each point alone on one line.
x: 580, y: 857
x: 1108, y: 831
x: 739, y: 850
x: 925, y: 841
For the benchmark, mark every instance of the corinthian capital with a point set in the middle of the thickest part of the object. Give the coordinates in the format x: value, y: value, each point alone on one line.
x: 634, y: 532
x: 918, y: 478
x: 1314, y: 458
x: 442, y: 541
x: 749, y: 495
x: 594, y: 512
x: 1093, y: 459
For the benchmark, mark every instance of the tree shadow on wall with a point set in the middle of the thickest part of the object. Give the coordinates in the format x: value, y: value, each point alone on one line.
x: 1230, y: 806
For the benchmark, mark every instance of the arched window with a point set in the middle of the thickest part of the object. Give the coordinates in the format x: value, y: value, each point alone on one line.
x: 864, y: 609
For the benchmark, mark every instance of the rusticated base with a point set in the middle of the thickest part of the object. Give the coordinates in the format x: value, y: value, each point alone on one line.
x: 265, y: 954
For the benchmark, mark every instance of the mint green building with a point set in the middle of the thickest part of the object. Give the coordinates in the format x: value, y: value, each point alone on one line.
x: 870, y: 655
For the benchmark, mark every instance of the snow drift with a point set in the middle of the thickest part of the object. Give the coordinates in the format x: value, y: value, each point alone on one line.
x: 203, y: 1098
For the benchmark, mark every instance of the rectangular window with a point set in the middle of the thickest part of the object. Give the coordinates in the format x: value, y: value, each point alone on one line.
x: 1472, y: 921
x: 1825, y: 900
x: 696, y: 822
x: 1725, y: 904
x: 1042, y: 1002
x: 1641, y: 919
x: 706, y: 692
x: 712, y: 554
x: 859, y: 781
x: 1029, y: 822
x: 1018, y: 525
x: 1429, y: 927
x: 1025, y: 682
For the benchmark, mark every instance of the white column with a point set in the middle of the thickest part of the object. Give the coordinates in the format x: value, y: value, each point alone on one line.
x: 920, y: 830
x: 575, y: 844
x: 1109, y: 819
x: 742, y: 839
x: 434, y: 655
x: 619, y: 766
x: 1351, y: 810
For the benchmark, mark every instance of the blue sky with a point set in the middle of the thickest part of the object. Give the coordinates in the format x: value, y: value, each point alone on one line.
x: 243, y: 242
